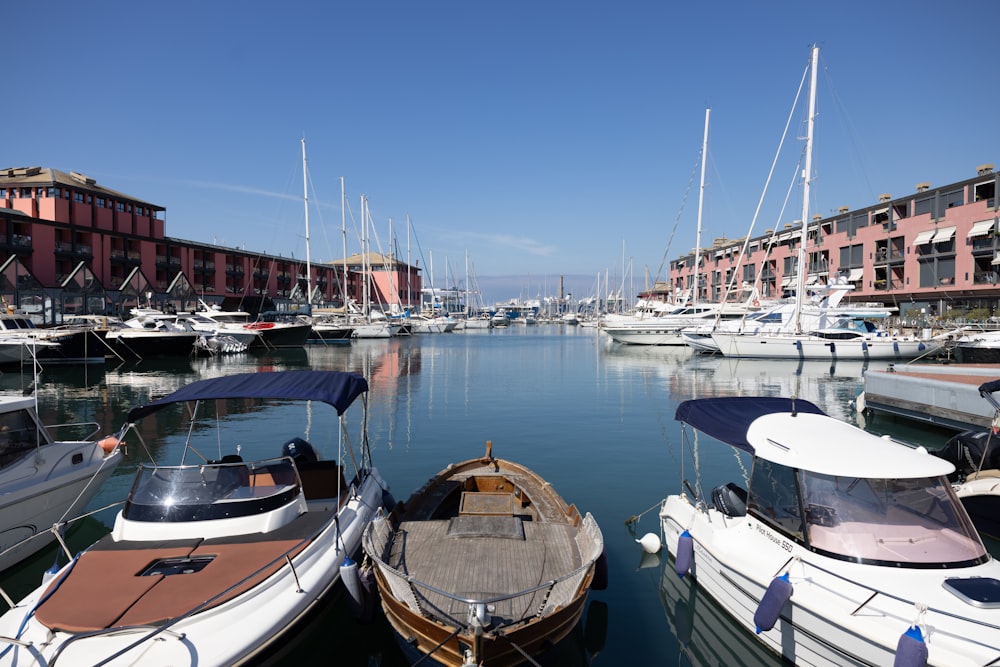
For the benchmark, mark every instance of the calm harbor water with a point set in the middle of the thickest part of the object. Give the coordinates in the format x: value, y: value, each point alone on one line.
x: 594, y: 419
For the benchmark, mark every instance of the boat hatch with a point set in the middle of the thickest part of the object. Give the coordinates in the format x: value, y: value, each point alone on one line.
x: 983, y: 592
x: 169, y: 566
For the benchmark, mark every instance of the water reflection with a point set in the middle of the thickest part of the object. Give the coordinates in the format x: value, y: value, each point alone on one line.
x: 705, y: 634
x: 596, y: 420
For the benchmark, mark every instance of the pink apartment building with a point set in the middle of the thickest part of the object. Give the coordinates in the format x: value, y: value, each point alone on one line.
x: 932, y: 250
x: 70, y: 245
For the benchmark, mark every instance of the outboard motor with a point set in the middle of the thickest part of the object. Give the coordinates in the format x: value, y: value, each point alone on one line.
x: 300, y: 451
x: 966, y: 450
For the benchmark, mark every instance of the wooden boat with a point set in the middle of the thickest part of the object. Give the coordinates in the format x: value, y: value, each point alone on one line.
x: 484, y: 565
x: 210, y: 563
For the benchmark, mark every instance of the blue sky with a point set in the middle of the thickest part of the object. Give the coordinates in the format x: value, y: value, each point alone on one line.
x: 543, y: 138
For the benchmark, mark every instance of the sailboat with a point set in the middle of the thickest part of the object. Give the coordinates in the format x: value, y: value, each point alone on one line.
x: 664, y: 328
x: 371, y: 324
x: 847, y: 338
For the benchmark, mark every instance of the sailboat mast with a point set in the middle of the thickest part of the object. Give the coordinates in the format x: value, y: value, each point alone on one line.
x: 701, y: 203
x: 305, y: 199
x: 343, y: 235
x: 800, y: 286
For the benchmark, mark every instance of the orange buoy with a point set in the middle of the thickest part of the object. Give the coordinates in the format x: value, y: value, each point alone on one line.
x: 108, y: 444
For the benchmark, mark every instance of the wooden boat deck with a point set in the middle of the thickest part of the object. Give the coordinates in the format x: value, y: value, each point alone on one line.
x: 483, y: 557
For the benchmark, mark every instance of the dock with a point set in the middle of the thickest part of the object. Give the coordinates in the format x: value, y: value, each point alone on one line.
x: 944, y: 395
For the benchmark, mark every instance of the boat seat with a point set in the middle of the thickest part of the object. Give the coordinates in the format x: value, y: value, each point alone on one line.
x: 730, y: 499
x: 321, y: 479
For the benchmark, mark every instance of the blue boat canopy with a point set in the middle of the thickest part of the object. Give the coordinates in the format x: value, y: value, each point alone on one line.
x: 337, y: 388
x: 727, y: 418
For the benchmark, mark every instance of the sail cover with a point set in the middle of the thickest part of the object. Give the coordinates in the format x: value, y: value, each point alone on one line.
x: 727, y: 418
x: 334, y: 387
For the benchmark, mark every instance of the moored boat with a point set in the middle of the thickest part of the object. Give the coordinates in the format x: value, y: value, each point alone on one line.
x: 844, y: 548
x: 209, y: 563
x: 43, y: 481
x: 485, y: 565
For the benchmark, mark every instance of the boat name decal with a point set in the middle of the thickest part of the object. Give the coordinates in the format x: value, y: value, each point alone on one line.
x: 783, y: 543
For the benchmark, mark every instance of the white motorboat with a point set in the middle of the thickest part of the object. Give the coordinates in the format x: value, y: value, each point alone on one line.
x: 845, y: 547
x: 210, y: 563
x: 24, y: 343
x: 257, y: 333
x: 151, y: 333
x: 43, y: 481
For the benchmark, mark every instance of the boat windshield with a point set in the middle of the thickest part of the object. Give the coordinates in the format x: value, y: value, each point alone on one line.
x: 211, y: 491
x: 916, y: 522
x: 19, y: 436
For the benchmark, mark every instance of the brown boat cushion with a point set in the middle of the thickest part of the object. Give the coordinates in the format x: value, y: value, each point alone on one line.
x: 96, y: 596
x: 177, y: 594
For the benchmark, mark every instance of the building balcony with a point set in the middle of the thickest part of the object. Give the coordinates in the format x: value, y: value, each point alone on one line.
x: 74, y: 252
x: 984, y: 278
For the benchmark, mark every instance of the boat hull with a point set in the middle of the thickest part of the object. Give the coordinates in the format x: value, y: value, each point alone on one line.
x: 30, y: 507
x: 832, y: 617
x: 281, y: 336
x: 808, y: 347
x: 419, y: 636
x: 143, y: 344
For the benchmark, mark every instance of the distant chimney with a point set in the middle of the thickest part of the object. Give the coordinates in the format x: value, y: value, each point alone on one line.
x: 843, y: 209
x: 884, y: 197
x: 984, y: 169
x: 923, y: 187
x: 817, y: 217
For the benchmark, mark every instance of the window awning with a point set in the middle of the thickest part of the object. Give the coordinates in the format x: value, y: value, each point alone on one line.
x: 944, y: 234
x: 924, y: 237
x: 812, y: 280
x: 785, y: 282
x: 996, y: 259
x: 981, y: 228
x: 881, y: 211
x: 855, y: 275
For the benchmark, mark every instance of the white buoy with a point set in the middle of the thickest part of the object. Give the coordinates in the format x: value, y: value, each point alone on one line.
x: 650, y: 543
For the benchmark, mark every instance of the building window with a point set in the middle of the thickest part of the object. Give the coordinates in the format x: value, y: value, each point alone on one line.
x: 100, y: 202
x: 984, y: 191
x: 53, y: 192
x: 852, y: 256
x: 78, y: 197
x: 937, y: 272
x: 922, y: 205
x: 120, y: 206
x: 952, y: 199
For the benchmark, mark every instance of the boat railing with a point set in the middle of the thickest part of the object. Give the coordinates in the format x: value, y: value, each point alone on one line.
x: 94, y: 426
x: 558, y: 593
